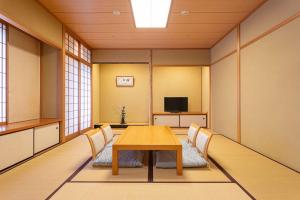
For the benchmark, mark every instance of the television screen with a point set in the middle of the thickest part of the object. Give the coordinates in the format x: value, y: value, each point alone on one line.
x: 176, y: 104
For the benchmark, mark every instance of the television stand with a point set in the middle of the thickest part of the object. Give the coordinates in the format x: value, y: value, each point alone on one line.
x: 180, y: 119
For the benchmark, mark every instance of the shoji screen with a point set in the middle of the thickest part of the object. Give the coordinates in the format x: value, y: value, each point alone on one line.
x: 2, y: 73
x: 71, y: 95
x: 78, y: 108
x: 85, y: 97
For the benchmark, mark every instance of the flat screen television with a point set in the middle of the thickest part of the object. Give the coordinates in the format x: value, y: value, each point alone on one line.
x: 176, y: 104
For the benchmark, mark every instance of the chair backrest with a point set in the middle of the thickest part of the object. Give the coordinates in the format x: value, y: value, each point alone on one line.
x: 202, y: 141
x: 192, y: 133
x: 96, y: 140
x: 108, y: 133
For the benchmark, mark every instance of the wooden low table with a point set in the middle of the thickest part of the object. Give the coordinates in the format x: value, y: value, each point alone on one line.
x: 147, y: 138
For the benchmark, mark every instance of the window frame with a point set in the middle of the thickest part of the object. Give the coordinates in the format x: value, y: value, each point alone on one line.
x: 5, y: 122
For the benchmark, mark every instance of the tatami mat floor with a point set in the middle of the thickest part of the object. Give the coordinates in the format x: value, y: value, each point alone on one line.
x: 56, y: 173
x: 262, y: 177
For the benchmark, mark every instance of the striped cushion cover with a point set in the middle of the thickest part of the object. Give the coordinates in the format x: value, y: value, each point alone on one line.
x: 127, y: 159
x: 190, y: 158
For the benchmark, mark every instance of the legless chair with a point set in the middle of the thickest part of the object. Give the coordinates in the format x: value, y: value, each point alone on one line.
x: 202, y: 142
x: 192, y: 134
x: 191, y: 156
x: 96, y: 140
x: 102, y: 151
x: 108, y: 133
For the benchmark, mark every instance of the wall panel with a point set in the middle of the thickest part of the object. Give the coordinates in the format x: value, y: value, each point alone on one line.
x: 24, y: 76
x: 120, y: 56
x: 181, y: 57
x: 224, y: 96
x: 170, y: 81
x: 205, y: 89
x: 136, y: 99
x: 225, y: 46
x: 49, y: 81
x: 32, y: 18
x: 268, y: 15
x: 96, y: 93
x: 270, y: 95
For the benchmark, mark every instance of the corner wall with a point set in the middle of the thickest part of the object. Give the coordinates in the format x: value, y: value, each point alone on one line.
x: 269, y: 82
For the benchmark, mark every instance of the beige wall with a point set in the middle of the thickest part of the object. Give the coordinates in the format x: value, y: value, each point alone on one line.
x: 269, y: 84
x: 178, y: 57
x: 181, y: 57
x: 136, y: 99
x: 120, y: 56
x: 264, y: 18
x: 49, y: 81
x: 96, y: 93
x: 205, y: 84
x: 224, y: 97
x: 225, y: 46
x: 270, y: 95
x: 32, y: 18
x: 24, y: 77
x: 170, y: 81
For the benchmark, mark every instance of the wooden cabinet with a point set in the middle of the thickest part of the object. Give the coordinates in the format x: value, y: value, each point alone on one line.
x: 45, y: 137
x: 15, y: 148
x: 180, y: 120
x: 22, y: 140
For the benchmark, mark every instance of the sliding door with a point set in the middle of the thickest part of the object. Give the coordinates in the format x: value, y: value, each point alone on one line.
x: 77, y: 98
x: 85, y: 97
x: 3, y: 74
x: 71, y: 96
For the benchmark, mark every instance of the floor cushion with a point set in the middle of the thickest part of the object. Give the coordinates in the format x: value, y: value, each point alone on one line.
x: 127, y: 159
x: 190, y: 158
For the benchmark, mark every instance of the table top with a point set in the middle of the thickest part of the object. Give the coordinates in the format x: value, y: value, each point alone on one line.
x: 148, y: 136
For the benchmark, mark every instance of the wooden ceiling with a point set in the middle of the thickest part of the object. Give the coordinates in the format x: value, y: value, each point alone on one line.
x: 206, y: 23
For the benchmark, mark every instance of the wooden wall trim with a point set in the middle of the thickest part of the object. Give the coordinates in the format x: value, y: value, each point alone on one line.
x: 151, y: 90
x: 62, y: 92
x: 238, y: 42
x: 272, y: 29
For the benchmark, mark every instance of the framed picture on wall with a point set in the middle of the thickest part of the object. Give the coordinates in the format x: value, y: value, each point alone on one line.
x: 124, y: 81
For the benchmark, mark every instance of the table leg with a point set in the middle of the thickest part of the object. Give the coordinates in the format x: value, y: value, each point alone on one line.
x: 115, y: 161
x: 179, y: 161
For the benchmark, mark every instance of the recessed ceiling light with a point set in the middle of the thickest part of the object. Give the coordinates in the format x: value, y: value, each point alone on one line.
x: 151, y: 13
x: 184, y: 12
x: 116, y: 12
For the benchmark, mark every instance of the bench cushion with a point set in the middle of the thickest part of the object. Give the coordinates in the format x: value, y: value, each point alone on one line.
x: 190, y: 158
x: 128, y: 159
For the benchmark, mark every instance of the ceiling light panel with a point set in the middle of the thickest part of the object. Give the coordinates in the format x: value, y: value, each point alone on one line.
x: 151, y: 13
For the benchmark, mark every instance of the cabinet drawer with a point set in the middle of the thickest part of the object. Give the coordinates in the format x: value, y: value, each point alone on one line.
x: 45, y: 136
x: 15, y: 147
